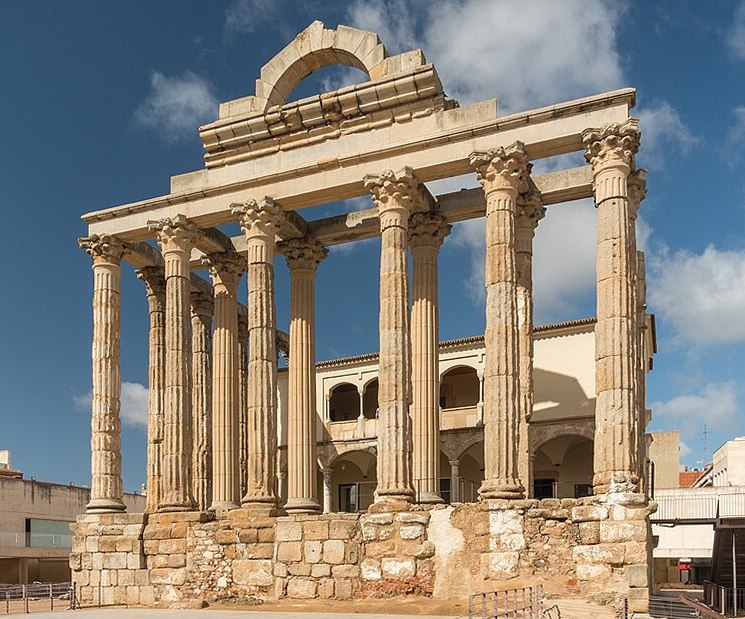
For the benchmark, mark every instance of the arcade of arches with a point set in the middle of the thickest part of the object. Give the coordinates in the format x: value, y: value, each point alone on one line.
x: 257, y: 475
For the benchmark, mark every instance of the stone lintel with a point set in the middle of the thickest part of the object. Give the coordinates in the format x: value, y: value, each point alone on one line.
x: 213, y: 241
x: 143, y: 255
x: 436, y: 146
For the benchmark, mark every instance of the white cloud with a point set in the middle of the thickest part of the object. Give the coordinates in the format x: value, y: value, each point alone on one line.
x: 134, y: 404
x: 563, y: 259
x: 664, y: 134
x: 176, y: 106
x: 246, y: 16
x: 716, y: 405
x: 736, y: 34
x: 685, y: 450
x: 701, y: 295
x: 484, y: 50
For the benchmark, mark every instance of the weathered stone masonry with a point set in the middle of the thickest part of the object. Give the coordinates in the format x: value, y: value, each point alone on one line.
x: 216, y: 525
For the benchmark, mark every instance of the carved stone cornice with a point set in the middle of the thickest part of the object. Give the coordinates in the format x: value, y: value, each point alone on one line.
x: 502, y: 167
x: 175, y: 233
x: 395, y: 194
x: 637, y: 188
x: 304, y: 254
x: 616, y: 143
x: 259, y: 218
x: 202, y: 304
x: 428, y: 229
x: 154, y: 279
x: 104, y: 248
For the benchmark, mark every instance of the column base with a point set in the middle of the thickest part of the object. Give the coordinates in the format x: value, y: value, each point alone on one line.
x: 430, y: 498
x: 302, y: 506
x: 180, y: 507
x: 221, y: 507
x: 501, y: 489
x: 390, y: 503
x: 260, y: 508
x: 105, y: 506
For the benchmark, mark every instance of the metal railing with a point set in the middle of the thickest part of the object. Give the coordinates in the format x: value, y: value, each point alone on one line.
x: 524, y: 603
x: 726, y: 600
x: 465, y: 491
x: 35, y: 540
x: 38, y: 597
x: 698, y: 505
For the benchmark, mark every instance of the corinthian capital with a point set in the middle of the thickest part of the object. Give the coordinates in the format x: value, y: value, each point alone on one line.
x: 303, y: 253
x: 202, y: 304
x: 530, y: 211
x: 154, y: 279
x: 429, y: 229
x: 103, y: 248
x: 225, y: 268
x: 175, y: 233
x: 259, y: 217
x: 614, y: 143
x: 396, y: 190
x: 637, y: 188
x: 501, y: 167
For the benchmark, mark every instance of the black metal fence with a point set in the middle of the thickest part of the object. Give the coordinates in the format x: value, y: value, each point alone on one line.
x: 37, y: 597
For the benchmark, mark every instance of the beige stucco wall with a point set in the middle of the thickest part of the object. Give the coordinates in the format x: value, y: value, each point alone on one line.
x: 664, y: 451
x: 729, y: 463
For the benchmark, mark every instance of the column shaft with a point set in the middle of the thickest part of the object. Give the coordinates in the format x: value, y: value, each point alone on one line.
x: 155, y: 285
x: 427, y: 231
x: 501, y: 171
x: 106, y: 456
x: 611, y: 153
x: 176, y: 238
x: 395, y: 196
x: 201, y: 399
x: 242, y: 399
x: 303, y: 258
x: 260, y: 222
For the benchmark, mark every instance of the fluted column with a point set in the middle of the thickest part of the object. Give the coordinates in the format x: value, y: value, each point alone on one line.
x: 501, y: 172
x: 426, y: 234
x: 611, y: 152
x: 202, y: 308
x: 530, y: 211
x: 327, y: 498
x: 260, y: 221
x: 303, y: 258
x: 396, y: 196
x: 225, y: 270
x: 176, y: 238
x: 106, y: 452
x: 155, y: 287
x: 242, y: 399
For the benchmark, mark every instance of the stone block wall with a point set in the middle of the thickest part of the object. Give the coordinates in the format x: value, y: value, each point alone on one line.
x: 588, y: 548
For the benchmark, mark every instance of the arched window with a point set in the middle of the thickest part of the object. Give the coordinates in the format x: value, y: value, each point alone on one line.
x: 370, y: 400
x: 459, y: 388
x: 345, y: 403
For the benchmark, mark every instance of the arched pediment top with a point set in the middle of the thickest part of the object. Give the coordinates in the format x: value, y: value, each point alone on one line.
x: 314, y: 48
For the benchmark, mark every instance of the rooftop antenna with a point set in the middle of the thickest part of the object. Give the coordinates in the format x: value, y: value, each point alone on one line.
x: 706, y: 446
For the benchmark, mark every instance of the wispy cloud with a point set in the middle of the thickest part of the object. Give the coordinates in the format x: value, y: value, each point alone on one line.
x: 733, y: 141
x: 134, y: 404
x: 701, y: 295
x: 716, y: 404
x: 518, y: 60
x: 664, y: 134
x: 246, y: 16
x: 177, y: 105
x: 735, y: 37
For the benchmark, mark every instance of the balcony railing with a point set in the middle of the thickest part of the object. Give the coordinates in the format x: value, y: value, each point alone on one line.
x: 726, y: 600
x: 35, y: 540
x: 693, y: 505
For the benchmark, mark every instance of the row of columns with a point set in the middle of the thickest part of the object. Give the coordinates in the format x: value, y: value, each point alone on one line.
x: 408, y: 433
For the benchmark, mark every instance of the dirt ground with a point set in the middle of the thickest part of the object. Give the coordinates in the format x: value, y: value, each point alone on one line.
x: 408, y: 606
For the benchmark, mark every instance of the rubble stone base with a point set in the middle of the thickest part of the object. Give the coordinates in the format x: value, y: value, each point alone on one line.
x: 595, y: 548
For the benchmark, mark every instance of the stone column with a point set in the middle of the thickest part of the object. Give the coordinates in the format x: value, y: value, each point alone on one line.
x: 454, y: 481
x: 303, y: 258
x: 202, y: 308
x: 396, y: 197
x: 106, y: 451
x: 242, y: 399
x: 155, y: 286
x: 176, y: 238
x: 327, y: 499
x: 501, y: 172
x: 530, y: 211
x: 260, y: 221
x: 426, y: 234
x: 225, y: 270
x: 611, y: 152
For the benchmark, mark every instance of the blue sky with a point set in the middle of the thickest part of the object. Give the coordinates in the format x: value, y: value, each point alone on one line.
x: 100, y: 103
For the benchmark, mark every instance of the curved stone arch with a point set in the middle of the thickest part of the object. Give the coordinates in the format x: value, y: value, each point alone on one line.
x: 342, y: 450
x: 367, y: 383
x: 329, y: 385
x: 540, y: 435
x: 466, y: 445
x: 314, y: 48
x: 460, y: 363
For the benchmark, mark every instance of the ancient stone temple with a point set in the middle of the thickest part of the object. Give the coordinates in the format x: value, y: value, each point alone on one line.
x: 429, y: 468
